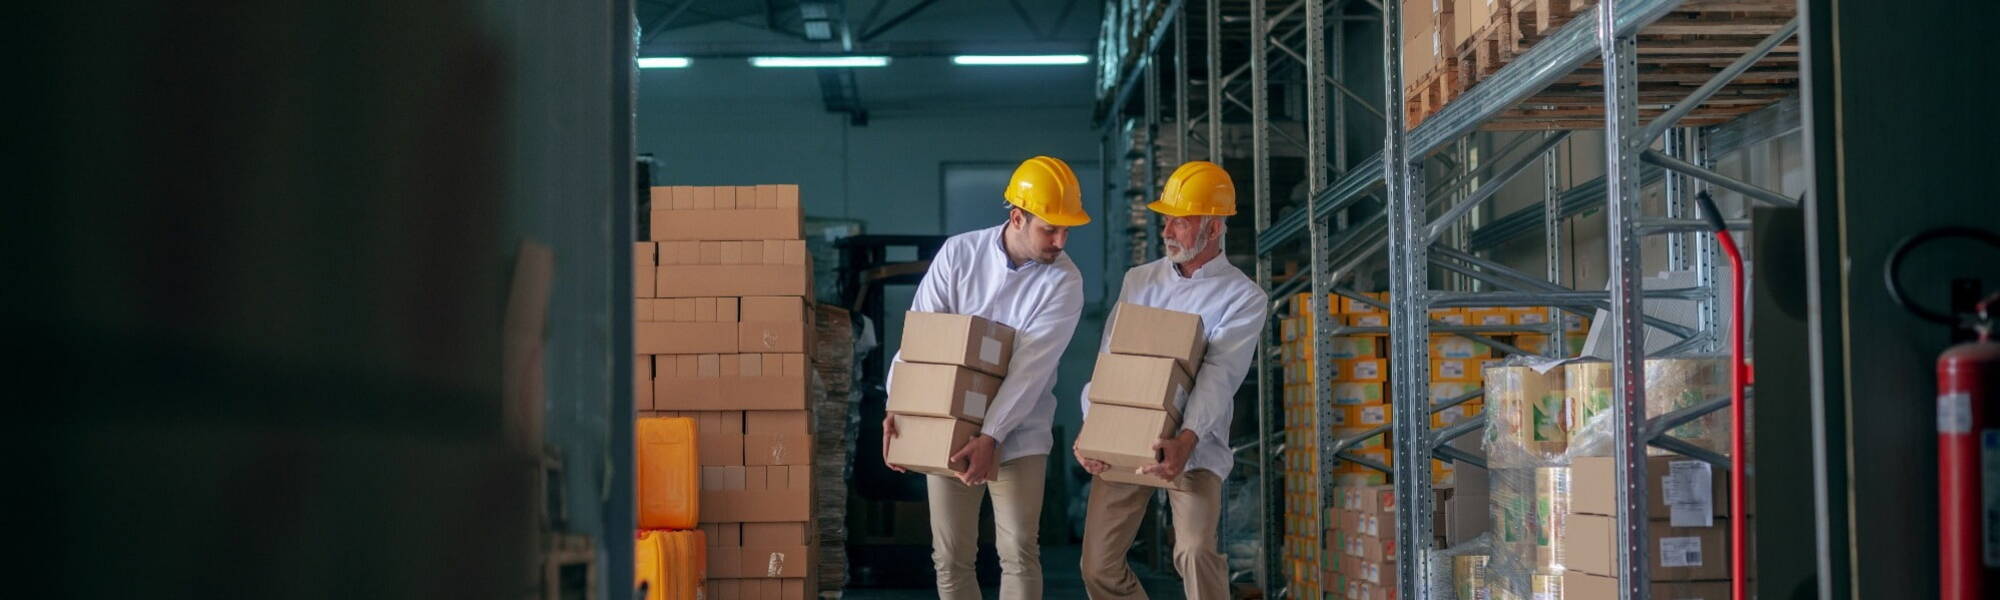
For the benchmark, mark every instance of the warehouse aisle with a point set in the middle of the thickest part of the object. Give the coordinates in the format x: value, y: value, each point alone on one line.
x: 1061, y: 578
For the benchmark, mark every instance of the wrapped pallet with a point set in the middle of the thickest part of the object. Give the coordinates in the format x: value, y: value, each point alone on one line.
x: 1671, y: 384
x: 1524, y: 416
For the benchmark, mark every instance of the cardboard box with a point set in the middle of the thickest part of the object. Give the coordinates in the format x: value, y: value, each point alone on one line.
x: 1371, y: 442
x: 761, y: 589
x: 1123, y: 436
x: 1451, y: 346
x: 1140, y: 382
x: 1699, y: 492
x: 1489, y: 316
x: 1577, y: 586
x: 705, y: 221
x: 756, y: 494
x: 684, y: 338
x: 691, y: 281
x: 1589, y: 543
x: 1460, y: 369
x: 765, y: 562
x: 784, y: 422
x: 757, y: 535
x: 773, y: 324
x: 1355, y: 346
x: 1359, y: 393
x: 968, y: 341
x: 1363, y: 416
x: 925, y: 444
x: 1524, y: 409
x: 643, y: 262
x: 720, y: 535
x: 642, y: 383
x: 1352, y: 306
x: 1529, y: 316
x: 936, y: 390
x: 730, y: 382
x: 1148, y: 331
x: 1367, y: 499
x: 1363, y: 370
x: 1367, y: 320
x: 768, y: 449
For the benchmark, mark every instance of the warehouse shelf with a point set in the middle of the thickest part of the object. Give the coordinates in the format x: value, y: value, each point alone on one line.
x: 1560, y: 81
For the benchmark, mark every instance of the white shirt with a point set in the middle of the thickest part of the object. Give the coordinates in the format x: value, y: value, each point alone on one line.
x: 1232, y: 312
x: 971, y: 276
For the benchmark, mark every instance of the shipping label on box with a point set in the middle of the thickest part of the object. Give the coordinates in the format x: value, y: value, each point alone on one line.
x: 1365, y: 416
x: 1367, y: 320
x: 1528, y: 316
x: 1489, y: 316
x: 936, y: 390
x: 1353, y: 306
x: 973, y: 342
x: 1140, y: 382
x: 1683, y: 491
x: 730, y: 382
x: 1148, y: 331
x: 925, y: 444
x: 1451, y: 346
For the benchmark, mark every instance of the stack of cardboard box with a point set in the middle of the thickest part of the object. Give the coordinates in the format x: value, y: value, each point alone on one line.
x: 1139, y: 388
x: 1687, y: 536
x: 1363, y: 538
x: 723, y: 330
x: 942, y: 387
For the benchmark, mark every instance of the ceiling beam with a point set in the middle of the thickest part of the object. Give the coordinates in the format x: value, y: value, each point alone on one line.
x: 901, y: 49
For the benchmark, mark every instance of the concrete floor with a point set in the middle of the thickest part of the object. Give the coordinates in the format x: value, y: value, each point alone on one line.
x: 1061, y: 578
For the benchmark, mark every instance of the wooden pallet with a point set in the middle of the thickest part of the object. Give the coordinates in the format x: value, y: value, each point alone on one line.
x: 1675, y: 54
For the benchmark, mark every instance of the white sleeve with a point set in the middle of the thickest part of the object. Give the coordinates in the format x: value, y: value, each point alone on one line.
x: 1038, y: 346
x: 1231, y: 349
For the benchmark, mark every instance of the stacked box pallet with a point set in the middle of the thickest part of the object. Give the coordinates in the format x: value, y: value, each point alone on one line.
x: 1687, y: 530
x: 725, y: 326
x: 833, y: 360
x: 945, y: 379
x: 1139, y: 388
x: 1363, y: 537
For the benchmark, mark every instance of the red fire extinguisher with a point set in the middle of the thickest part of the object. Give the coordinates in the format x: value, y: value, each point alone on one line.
x: 1968, y: 426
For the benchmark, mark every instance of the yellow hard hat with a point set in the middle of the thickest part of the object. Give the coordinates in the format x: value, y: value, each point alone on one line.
x: 1047, y: 188
x: 1198, y: 188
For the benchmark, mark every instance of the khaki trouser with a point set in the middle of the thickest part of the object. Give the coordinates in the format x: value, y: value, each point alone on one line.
x: 1113, y: 519
x: 1017, y: 514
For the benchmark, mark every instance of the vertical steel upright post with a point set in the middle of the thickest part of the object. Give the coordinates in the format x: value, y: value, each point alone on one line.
x: 1676, y: 198
x: 1260, y: 159
x: 1621, y: 163
x: 1152, y: 96
x: 1338, y: 58
x: 1408, y: 323
x: 1181, y: 121
x: 1322, y: 285
x: 1558, y: 345
x: 1706, y: 258
x: 1213, y: 35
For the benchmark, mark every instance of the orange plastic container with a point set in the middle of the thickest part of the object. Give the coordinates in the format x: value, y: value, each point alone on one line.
x: 669, y: 471
x: 673, y: 565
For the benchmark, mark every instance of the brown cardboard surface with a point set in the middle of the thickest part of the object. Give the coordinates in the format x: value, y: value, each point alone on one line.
x: 642, y: 383
x: 786, y: 422
x: 776, y: 449
x: 737, y: 382
x: 1593, y: 485
x: 777, y: 309
x: 772, y: 336
x: 1690, y: 590
x: 758, y: 562
x: 756, y: 506
x: 936, y: 390
x: 726, y: 224
x: 1362, y: 370
x: 1589, y: 543
x: 964, y: 340
x: 774, y: 534
x: 1141, y: 382
x: 691, y: 281
x: 644, y: 285
x: 1127, y: 476
x: 1676, y: 553
x: 684, y: 338
x: 1123, y: 437
x: 1581, y: 586
x: 925, y: 444
x: 1148, y: 331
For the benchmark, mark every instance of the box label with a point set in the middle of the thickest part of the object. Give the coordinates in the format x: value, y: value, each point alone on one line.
x: 989, y: 350
x: 1680, y: 552
x: 1688, y: 490
x: 975, y: 404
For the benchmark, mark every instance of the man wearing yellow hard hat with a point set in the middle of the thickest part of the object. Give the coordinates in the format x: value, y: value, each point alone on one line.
x: 1193, y: 277
x: 1015, y: 274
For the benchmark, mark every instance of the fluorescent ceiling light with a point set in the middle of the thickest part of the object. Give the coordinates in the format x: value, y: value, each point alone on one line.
x: 819, y: 61
x: 663, y: 62
x: 1027, y: 59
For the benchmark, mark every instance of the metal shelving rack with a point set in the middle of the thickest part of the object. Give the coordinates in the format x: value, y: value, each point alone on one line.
x: 1395, y: 176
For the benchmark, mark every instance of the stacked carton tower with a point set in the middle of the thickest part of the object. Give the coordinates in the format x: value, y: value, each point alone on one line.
x: 723, y: 328
x: 1554, y: 490
x: 1139, y: 389
x: 946, y: 379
